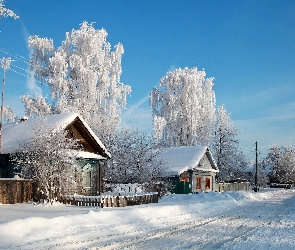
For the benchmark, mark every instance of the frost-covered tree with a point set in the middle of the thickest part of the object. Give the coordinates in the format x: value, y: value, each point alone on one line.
x: 249, y: 172
x: 183, y: 108
x: 49, y: 159
x: 281, y: 162
x: 262, y: 174
x: 225, y: 147
x: 134, y: 159
x: 9, y: 115
x: 83, y: 75
x: 36, y: 105
x: 4, y: 12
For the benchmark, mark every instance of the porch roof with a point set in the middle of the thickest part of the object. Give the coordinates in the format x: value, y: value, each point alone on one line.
x: 88, y: 155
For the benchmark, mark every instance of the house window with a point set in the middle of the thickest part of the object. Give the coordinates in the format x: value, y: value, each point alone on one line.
x: 86, y: 175
x: 199, y: 183
x: 208, y: 182
x: 186, y: 179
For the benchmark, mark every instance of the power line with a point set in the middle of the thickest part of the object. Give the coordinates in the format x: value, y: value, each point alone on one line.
x: 18, y: 72
x: 14, y: 55
x: 18, y: 58
x: 18, y: 67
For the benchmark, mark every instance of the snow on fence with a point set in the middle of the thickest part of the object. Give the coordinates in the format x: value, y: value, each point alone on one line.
x: 129, y: 200
x: 80, y: 200
x: 109, y: 200
x: 124, y: 189
x: 236, y: 186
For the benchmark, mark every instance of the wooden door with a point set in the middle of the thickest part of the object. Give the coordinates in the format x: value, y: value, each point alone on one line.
x: 208, y: 183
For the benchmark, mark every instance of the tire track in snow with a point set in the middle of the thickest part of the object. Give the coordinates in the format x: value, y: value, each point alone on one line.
x: 158, y: 234
x: 261, y: 216
x: 126, y: 231
x: 130, y: 237
x: 242, y: 223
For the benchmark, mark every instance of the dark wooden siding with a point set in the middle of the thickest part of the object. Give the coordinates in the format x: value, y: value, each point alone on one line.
x: 74, y: 133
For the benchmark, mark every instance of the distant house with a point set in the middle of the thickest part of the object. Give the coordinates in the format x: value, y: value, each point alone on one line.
x: 92, y: 155
x: 191, y: 168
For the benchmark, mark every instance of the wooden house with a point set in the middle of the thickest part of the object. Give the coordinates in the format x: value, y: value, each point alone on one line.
x: 192, y: 169
x: 91, y: 156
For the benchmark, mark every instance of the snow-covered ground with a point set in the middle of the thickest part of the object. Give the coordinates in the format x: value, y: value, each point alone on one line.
x: 231, y: 220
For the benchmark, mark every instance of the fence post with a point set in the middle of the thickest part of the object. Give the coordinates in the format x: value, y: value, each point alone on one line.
x: 101, y: 201
x: 109, y: 201
x: 125, y: 201
x: 156, y: 198
x: 117, y: 203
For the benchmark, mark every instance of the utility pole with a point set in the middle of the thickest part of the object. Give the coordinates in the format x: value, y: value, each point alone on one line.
x: 256, y: 168
x: 5, y: 64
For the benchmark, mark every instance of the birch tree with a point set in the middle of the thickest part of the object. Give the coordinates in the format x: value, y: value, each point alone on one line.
x: 262, y: 173
x: 134, y: 159
x: 183, y: 108
x: 4, y: 12
x: 225, y: 147
x: 83, y: 76
x: 9, y: 115
x: 49, y: 159
x: 281, y: 162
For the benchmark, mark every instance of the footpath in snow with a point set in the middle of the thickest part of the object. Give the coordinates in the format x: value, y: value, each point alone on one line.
x: 231, y: 220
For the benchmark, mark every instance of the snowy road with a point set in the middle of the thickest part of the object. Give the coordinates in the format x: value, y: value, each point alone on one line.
x: 232, y: 220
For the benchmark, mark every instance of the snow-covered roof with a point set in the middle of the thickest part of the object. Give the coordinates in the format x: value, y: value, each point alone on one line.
x: 88, y: 155
x: 15, y: 133
x: 180, y: 159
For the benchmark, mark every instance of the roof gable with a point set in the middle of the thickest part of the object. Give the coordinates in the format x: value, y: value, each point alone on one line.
x: 78, y: 129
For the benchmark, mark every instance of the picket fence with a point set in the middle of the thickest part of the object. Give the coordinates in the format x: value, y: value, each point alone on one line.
x: 236, y: 186
x: 109, y: 201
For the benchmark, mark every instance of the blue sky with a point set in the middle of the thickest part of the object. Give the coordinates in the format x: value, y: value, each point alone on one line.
x: 247, y: 46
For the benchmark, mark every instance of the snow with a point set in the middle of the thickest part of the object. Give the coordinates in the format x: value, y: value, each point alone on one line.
x: 230, y: 220
x: 180, y: 159
x: 16, y: 133
x: 88, y: 155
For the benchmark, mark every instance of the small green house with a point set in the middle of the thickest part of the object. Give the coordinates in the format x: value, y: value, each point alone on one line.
x: 192, y: 169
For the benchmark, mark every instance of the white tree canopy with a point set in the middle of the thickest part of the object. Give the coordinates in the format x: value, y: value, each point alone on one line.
x: 8, y: 114
x: 134, y: 159
x: 4, y: 12
x: 183, y: 108
x: 225, y: 147
x: 83, y: 75
x: 281, y: 163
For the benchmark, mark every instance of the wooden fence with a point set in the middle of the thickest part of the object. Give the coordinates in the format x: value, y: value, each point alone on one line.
x: 15, y: 190
x: 110, y: 201
x: 236, y: 186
